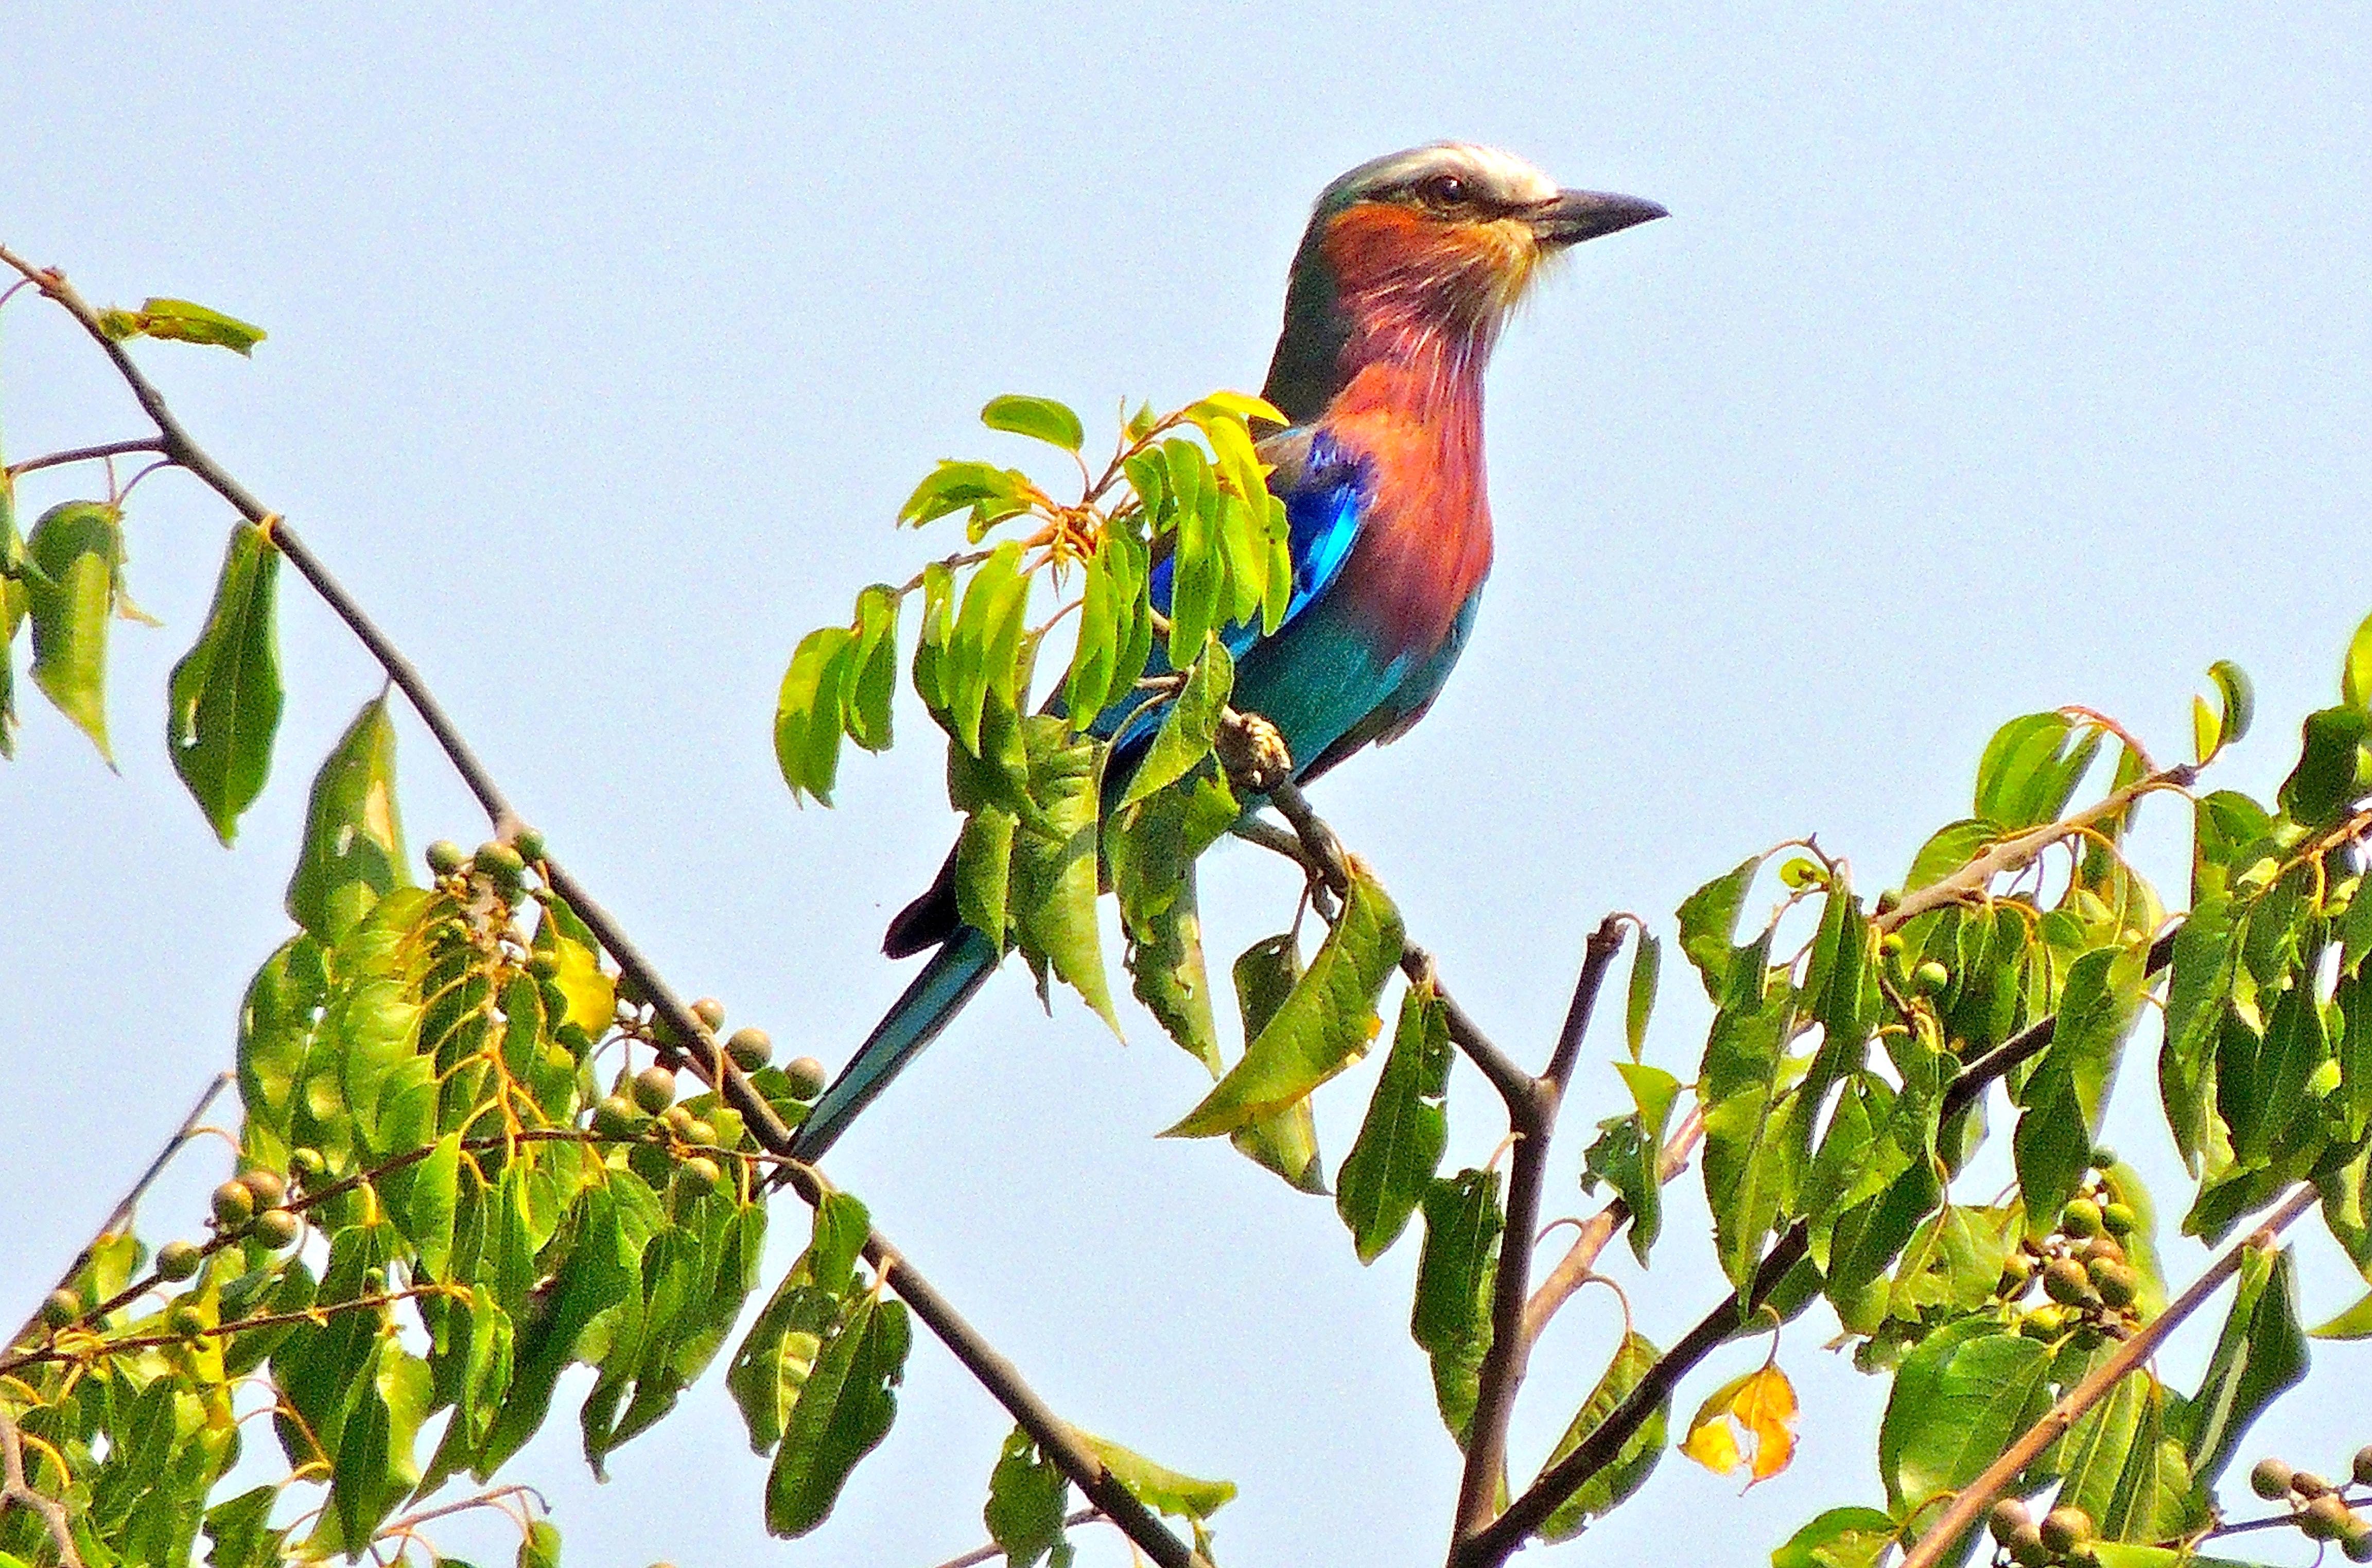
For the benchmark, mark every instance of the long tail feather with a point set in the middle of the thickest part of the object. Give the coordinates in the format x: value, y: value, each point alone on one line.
x: 916, y: 1019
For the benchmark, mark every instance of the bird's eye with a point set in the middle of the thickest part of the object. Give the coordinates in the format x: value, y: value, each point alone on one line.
x: 1443, y: 191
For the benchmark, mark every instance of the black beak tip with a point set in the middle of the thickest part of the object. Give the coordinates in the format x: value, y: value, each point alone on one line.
x: 1577, y: 215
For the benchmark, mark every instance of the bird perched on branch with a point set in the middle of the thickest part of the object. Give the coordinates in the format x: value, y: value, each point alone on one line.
x: 1404, y: 276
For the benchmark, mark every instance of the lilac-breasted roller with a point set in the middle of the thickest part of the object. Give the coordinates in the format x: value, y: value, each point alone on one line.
x: 1408, y: 269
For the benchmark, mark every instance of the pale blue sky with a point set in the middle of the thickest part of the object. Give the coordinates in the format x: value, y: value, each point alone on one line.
x: 1988, y: 362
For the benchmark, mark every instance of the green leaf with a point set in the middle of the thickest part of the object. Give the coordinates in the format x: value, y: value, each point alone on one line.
x: 1041, y: 419
x: 2032, y: 768
x: 873, y: 661
x: 1184, y: 739
x: 352, y: 849
x: 1151, y: 853
x: 1708, y: 921
x: 2355, y: 670
x: 2240, y: 699
x: 375, y: 1467
x: 224, y: 702
x: 1451, y: 1319
x: 2092, y: 1458
x: 539, y: 1547
x: 1951, y: 847
x: 1025, y: 1494
x: 985, y: 646
x: 422, y: 1199
x: 180, y: 320
x: 1959, y: 1400
x: 239, y: 1529
x: 811, y: 712
x: 2206, y: 952
x: 1157, y: 1486
x: 992, y: 493
x: 1400, y: 1142
x: 844, y: 1409
x: 1322, y: 1028
x: 1841, y: 1538
x: 2065, y: 1093
x: 2356, y: 1323
x: 77, y: 554
x: 779, y: 1351
x: 1631, y: 1463
x: 599, y: 1271
x: 1629, y: 1153
x: 2260, y: 1352
x: 1285, y: 1142
x: 2329, y: 772
x: 1053, y: 884
x: 1646, y: 965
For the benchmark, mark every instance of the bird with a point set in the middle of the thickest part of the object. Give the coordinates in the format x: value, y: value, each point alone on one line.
x: 1409, y: 267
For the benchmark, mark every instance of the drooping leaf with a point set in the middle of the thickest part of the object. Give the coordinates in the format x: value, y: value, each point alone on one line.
x: 1647, y: 964
x: 1958, y: 1400
x: 77, y: 554
x: 811, y: 712
x: 1407, y: 1126
x: 1324, y: 1026
x: 844, y: 1409
x: 1841, y: 1538
x: 2260, y: 1352
x: 222, y: 706
x: 1152, y: 856
x: 1053, y: 888
x: 353, y: 848
x: 1025, y: 1494
x: 1632, y: 1464
x: 1184, y: 737
x: 1451, y: 1319
x: 1709, y: 919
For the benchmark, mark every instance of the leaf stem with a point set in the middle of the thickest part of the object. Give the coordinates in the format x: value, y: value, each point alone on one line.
x: 84, y: 454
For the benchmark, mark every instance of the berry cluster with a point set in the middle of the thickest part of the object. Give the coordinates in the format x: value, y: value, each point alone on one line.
x: 2082, y: 1264
x: 251, y: 1206
x: 2320, y: 1511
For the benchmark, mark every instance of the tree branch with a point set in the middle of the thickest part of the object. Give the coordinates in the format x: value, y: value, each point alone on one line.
x: 86, y: 454
x: 1053, y: 1437
x: 1979, y: 1494
x: 1532, y: 1117
x: 122, y: 1210
x: 15, y: 1491
x: 992, y: 1551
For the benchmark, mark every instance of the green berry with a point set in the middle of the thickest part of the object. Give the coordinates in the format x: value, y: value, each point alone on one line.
x: 186, y: 1321
x: 751, y: 1048
x: 2080, y: 1219
x: 710, y: 1011
x: 679, y: 1118
x: 701, y: 1132
x: 445, y: 857
x: 2066, y: 1527
x: 2065, y: 1282
x: 1929, y: 978
x: 269, y: 1187
x: 806, y: 1074
x: 233, y: 1204
x: 499, y: 863
x: 60, y: 1307
x: 2016, y: 1275
x: 2325, y: 1519
x: 2009, y: 1519
x: 308, y: 1163
x: 700, y: 1175
x: 2307, y: 1485
x: 277, y: 1229
x: 2103, y: 1157
x: 2355, y: 1542
x: 615, y: 1116
x: 2119, y: 1219
x: 2045, y: 1322
x: 1890, y: 944
x: 2027, y: 1550
x: 529, y: 842
x: 2103, y: 1248
x: 178, y: 1260
x: 2361, y: 1466
x: 2270, y: 1479
x: 2117, y: 1282
x: 654, y: 1089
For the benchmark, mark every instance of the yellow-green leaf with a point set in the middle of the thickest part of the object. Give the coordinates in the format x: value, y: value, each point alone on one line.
x: 223, y: 704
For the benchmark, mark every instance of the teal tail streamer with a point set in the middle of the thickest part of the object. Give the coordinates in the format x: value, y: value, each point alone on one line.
x: 937, y: 994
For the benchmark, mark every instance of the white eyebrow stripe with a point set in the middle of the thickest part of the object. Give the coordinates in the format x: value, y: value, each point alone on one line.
x: 1500, y: 176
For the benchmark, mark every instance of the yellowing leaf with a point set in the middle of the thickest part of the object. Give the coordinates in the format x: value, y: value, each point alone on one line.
x: 1749, y: 1422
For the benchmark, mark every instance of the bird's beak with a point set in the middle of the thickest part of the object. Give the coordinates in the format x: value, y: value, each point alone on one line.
x: 1571, y: 216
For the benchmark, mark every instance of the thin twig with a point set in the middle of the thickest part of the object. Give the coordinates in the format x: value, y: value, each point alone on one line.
x: 86, y: 454
x: 1573, y: 1270
x: 15, y: 1491
x: 992, y: 1551
x: 1053, y: 1437
x: 1533, y: 1121
x: 122, y: 1210
x: 1979, y: 1494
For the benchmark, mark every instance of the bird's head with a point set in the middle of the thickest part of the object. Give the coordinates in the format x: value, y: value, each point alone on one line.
x: 1422, y: 254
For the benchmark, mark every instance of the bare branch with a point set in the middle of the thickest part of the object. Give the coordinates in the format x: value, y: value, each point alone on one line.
x: 1534, y: 1123
x: 992, y: 1551
x: 1979, y: 1494
x: 86, y: 454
